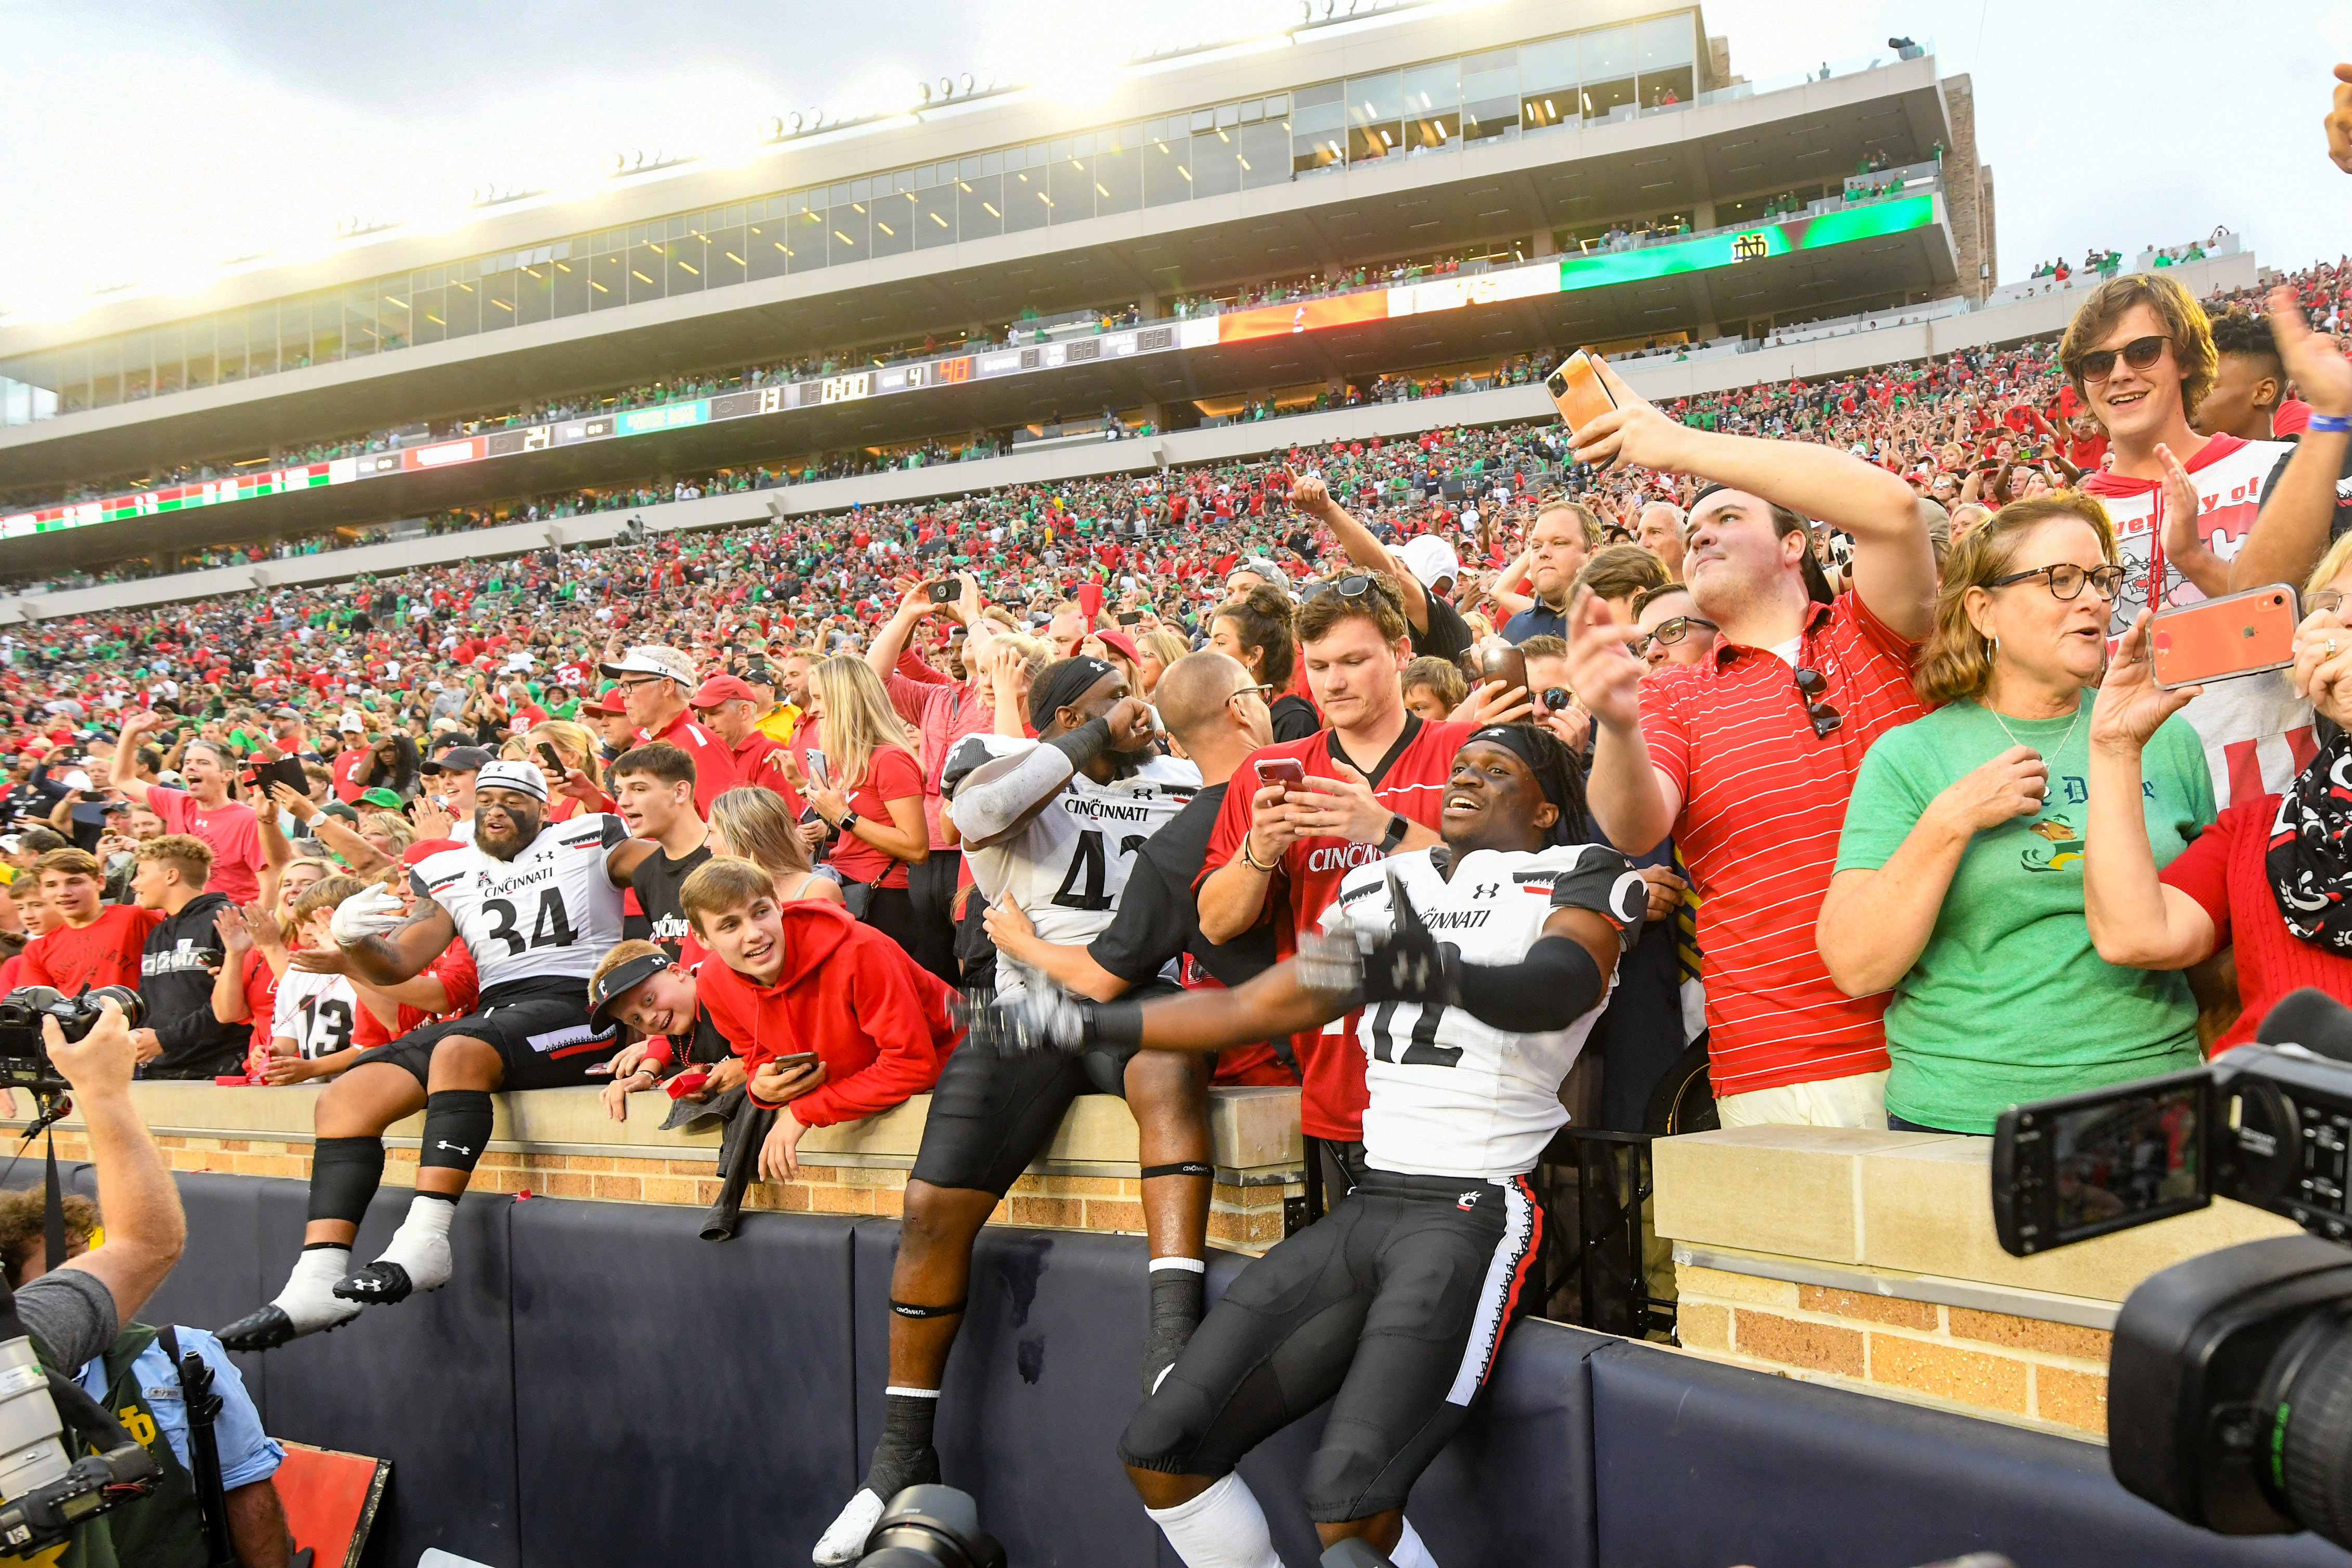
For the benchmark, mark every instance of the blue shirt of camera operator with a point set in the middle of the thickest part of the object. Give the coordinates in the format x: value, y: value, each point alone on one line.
x: 248, y: 1454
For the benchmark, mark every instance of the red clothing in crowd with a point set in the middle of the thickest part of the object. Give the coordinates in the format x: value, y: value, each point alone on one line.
x: 877, y: 1020
x: 760, y: 763
x: 1763, y: 798
x: 1410, y: 779
x: 454, y: 970
x: 2224, y: 871
x: 891, y: 773
x: 944, y: 711
x: 229, y: 828
x: 714, y: 765
x: 103, y: 953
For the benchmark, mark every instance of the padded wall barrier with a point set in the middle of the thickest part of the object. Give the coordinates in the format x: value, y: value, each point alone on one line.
x: 1701, y: 1465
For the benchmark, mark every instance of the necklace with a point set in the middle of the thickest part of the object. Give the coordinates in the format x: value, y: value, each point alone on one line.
x: 2080, y: 708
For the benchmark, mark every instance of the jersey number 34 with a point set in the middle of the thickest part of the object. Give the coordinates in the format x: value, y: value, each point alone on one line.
x: 552, y: 928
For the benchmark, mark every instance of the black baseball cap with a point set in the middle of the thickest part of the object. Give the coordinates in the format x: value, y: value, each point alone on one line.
x: 609, y: 987
x: 457, y: 760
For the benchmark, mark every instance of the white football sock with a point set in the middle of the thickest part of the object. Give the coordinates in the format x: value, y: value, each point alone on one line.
x: 1410, y: 1551
x: 1222, y: 1528
x: 421, y: 1244
x: 308, y: 1297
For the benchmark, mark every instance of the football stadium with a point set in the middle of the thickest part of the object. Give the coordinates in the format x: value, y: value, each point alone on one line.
x: 833, y: 838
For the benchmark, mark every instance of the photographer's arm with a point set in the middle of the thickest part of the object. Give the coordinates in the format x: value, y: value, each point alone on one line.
x: 144, y: 1227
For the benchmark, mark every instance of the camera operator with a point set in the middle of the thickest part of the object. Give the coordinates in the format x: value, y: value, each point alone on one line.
x: 139, y: 1380
x: 73, y: 1312
x: 178, y: 964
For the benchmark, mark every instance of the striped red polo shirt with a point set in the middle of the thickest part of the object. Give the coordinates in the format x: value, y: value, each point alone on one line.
x: 1763, y: 800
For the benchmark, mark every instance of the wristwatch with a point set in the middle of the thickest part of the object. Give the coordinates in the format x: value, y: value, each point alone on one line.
x: 848, y: 822
x: 1399, y: 825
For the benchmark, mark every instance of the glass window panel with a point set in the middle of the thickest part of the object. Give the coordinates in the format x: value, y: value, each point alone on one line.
x: 1071, y: 186
x: 846, y: 235
x: 228, y: 346
x: 798, y: 244
x: 608, y: 281
x: 1025, y: 193
x: 1547, y: 78
x: 1659, y: 88
x: 1600, y: 97
x: 1253, y: 111
x: 1375, y: 116
x: 1432, y: 107
x: 171, y: 350
x: 935, y: 215
x: 1228, y: 116
x: 1490, y: 94
x: 991, y: 163
x: 1608, y: 52
x: 891, y: 224
x: 326, y: 326
x: 1118, y: 178
x: 359, y: 321
x: 200, y: 352
x: 293, y: 334
x: 860, y: 191
x: 106, y: 373
x: 904, y: 180
x: 723, y: 256
x: 497, y: 294
x: 679, y: 227
x: 391, y: 297
x: 1265, y: 154
x: 1168, y: 172
x: 1665, y: 42
x: 461, y: 310
x: 688, y: 266
x: 979, y: 205
x: 260, y: 342
x: 567, y: 283
x: 642, y: 275
x: 138, y: 366
x: 534, y: 298
x: 1216, y: 169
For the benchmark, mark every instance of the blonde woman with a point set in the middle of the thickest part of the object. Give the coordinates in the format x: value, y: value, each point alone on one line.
x: 1159, y: 648
x: 576, y: 749
x: 757, y: 825
x: 872, y: 797
x: 388, y: 833
x: 1959, y: 872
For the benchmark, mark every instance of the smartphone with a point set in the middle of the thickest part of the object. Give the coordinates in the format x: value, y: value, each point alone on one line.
x: 2071, y: 1168
x: 1495, y: 661
x: 816, y: 769
x: 1579, y: 392
x: 1129, y: 617
x: 946, y: 590
x: 2220, y: 639
x: 554, y: 763
x: 787, y: 1064
x: 1288, y: 771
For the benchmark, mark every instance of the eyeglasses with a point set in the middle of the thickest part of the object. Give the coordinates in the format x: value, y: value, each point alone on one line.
x: 2067, y: 580
x: 2328, y: 599
x: 1673, y: 629
x: 2139, y: 353
x: 1825, y: 719
x: 1258, y: 690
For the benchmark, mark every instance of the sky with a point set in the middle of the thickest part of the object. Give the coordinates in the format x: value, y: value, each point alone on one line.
x: 145, y: 140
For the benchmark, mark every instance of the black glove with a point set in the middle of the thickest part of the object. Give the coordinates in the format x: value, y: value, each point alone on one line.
x: 1408, y: 964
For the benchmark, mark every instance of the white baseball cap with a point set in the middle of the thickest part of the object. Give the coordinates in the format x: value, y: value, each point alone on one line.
x: 653, y: 659
x: 1430, y: 558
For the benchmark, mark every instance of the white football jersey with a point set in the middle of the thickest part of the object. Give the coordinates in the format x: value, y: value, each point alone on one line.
x: 1067, y: 867
x: 551, y: 911
x: 1452, y: 1096
x: 316, y: 1012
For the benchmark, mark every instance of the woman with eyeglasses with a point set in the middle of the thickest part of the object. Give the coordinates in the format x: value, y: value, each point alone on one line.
x: 2271, y: 880
x: 1960, y: 881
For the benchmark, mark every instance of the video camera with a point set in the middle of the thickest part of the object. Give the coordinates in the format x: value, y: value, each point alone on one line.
x: 25, y: 1056
x: 2230, y: 1385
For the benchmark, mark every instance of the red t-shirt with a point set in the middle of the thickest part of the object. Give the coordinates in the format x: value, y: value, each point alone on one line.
x: 1410, y: 779
x: 2224, y: 871
x: 230, y: 828
x: 714, y: 766
x: 1763, y: 798
x: 760, y: 764
x: 346, y: 767
x: 103, y: 953
x: 454, y: 970
x: 891, y: 775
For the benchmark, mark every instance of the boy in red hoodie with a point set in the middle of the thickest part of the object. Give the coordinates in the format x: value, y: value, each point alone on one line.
x: 802, y: 978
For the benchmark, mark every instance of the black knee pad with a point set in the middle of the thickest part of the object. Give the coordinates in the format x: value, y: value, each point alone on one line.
x: 1165, y: 1432
x: 344, y: 1175
x: 457, y: 1128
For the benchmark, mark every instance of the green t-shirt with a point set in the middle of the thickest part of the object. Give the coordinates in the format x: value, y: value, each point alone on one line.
x: 2008, y: 1001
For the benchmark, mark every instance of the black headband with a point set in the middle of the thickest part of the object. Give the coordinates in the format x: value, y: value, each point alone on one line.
x: 1520, y: 740
x: 1062, y: 683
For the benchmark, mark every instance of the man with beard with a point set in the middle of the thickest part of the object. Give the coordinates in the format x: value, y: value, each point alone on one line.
x: 537, y: 905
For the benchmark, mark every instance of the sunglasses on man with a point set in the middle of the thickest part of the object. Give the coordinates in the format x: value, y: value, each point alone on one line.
x: 2098, y: 364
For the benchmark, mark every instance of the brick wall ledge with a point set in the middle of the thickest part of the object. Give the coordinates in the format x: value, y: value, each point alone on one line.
x: 1933, y: 1289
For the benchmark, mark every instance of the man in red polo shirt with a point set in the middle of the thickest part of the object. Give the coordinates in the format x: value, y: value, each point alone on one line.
x: 1374, y: 784
x: 1748, y: 759
x: 732, y: 711
x: 653, y: 684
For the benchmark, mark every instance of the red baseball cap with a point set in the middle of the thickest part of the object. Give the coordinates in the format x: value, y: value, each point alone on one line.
x: 721, y: 689
x: 608, y: 703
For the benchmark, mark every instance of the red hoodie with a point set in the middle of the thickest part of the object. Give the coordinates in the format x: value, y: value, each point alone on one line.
x: 877, y: 1020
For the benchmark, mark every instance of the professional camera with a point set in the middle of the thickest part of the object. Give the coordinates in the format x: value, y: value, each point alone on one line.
x: 48, y: 1491
x: 2230, y: 1385
x: 24, y: 1056
x: 931, y: 1527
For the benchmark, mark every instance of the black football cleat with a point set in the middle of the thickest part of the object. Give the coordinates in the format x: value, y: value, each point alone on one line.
x: 265, y: 1328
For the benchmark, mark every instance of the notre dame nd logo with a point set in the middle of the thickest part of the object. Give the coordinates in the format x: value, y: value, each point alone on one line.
x: 1749, y: 247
